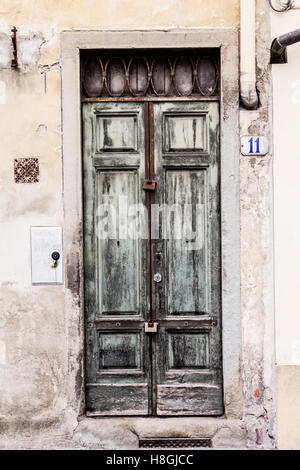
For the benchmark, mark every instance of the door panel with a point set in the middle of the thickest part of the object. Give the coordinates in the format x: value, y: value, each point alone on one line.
x: 118, y: 372
x: 188, y: 309
x: 186, y: 268
x: 118, y: 257
x: 185, y: 133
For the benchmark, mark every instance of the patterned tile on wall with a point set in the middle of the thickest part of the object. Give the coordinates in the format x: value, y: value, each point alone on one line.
x: 26, y: 170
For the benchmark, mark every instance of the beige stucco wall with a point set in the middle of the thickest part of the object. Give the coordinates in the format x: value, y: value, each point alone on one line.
x: 37, y: 381
x: 286, y: 97
x: 288, y: 404
x: 39, y: 376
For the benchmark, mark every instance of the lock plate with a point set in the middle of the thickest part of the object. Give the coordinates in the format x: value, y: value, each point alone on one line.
x: 149, y: 185
x: 151, y: 327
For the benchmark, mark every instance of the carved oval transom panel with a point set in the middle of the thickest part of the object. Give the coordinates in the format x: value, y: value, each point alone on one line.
x: 188, y: 73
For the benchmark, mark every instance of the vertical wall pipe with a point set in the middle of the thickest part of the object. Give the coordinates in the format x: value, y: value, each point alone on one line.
x: 248, y: 90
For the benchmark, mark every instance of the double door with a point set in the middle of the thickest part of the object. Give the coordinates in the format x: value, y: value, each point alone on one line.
x: 152, y: 258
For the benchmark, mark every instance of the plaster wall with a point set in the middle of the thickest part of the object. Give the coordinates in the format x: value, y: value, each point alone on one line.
x: 286, y: 97
x: 40, y: 340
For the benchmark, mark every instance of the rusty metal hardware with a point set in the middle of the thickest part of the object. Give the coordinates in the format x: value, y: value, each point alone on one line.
x: 149, y: 185
x: 14, y: 62
x: 204, y: 322
x: 151, y: 327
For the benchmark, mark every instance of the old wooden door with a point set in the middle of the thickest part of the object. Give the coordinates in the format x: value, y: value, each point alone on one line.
x: 118, y: 360
x: 166, y: 271
x: 152, y: 234
x: 187, y: 300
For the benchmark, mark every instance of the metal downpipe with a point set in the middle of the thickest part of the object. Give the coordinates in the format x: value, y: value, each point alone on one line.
x: 248, y: 92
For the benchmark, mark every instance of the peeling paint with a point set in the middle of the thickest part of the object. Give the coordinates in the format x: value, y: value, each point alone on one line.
x: 29, y: 50
x: 257, y: 268
x: 49, y: 68
x: 6, y: 51
x: 41, y: 130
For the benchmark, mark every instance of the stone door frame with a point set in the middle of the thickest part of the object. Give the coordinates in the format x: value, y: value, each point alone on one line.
x: 227, y: 40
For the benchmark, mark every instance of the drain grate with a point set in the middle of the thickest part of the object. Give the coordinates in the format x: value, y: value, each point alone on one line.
x: 164, y: 442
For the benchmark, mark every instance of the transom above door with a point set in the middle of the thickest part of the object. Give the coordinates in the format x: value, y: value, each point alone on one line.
x: 152, y: 257
x: 149, y: 74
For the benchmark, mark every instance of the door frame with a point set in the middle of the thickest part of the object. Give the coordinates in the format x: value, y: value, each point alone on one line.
x: 227, y: 40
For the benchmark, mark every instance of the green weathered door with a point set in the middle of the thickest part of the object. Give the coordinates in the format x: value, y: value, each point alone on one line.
x: 188, y: 350
x: 118, y: 372
x: 163, y: 269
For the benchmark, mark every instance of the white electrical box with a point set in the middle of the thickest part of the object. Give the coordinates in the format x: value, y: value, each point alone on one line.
x: 46, y: 255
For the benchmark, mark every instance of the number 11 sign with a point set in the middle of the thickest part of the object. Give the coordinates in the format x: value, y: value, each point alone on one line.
x: 254, y: 145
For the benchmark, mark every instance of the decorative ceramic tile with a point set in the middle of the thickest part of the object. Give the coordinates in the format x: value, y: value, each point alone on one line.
x: 26, y: 170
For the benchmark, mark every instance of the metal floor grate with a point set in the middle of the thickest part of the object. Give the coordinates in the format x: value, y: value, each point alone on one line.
x: 164, y: 442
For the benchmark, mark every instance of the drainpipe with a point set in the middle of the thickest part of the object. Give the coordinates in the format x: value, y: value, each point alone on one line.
x: 279, y: 45
x: 248, y: 92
